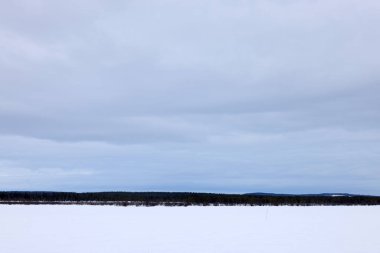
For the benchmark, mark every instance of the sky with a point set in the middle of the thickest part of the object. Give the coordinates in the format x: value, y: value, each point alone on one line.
x: 226, y: 96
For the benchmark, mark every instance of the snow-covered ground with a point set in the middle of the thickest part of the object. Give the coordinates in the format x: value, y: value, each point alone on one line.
x: 108, y: 229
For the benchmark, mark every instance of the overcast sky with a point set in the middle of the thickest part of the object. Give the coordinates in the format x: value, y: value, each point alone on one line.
x: 217, y: 96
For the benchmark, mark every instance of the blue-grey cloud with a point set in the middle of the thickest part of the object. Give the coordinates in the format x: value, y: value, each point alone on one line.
x: 202, y: 95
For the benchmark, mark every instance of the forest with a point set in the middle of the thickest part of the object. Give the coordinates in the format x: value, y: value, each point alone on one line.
x: 180, y: 199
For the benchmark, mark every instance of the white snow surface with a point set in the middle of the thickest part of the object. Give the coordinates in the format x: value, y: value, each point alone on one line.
x: 108, y: 229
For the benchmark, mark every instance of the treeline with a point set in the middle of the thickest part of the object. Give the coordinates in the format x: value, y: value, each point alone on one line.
x: 179, y: 199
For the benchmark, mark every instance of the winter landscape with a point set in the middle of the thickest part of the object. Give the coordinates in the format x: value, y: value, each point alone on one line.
x: 98, y: 229
x: 190, y: 126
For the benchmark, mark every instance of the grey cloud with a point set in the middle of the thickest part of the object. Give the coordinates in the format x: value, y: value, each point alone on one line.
x: 216, y: 95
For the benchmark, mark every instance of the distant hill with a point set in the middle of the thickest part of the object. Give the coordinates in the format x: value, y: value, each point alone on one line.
x: 311, y: 194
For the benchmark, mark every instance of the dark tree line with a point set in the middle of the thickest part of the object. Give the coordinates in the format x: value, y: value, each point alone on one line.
x: 179, y: 199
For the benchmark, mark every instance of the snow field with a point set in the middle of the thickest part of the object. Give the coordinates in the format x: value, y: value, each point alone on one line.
x: 111, y: 229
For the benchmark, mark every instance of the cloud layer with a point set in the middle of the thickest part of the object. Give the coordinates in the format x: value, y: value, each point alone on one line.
x: 227, y: 96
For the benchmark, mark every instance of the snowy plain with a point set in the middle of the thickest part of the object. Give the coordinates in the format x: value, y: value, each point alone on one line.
x: 72, y: 229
